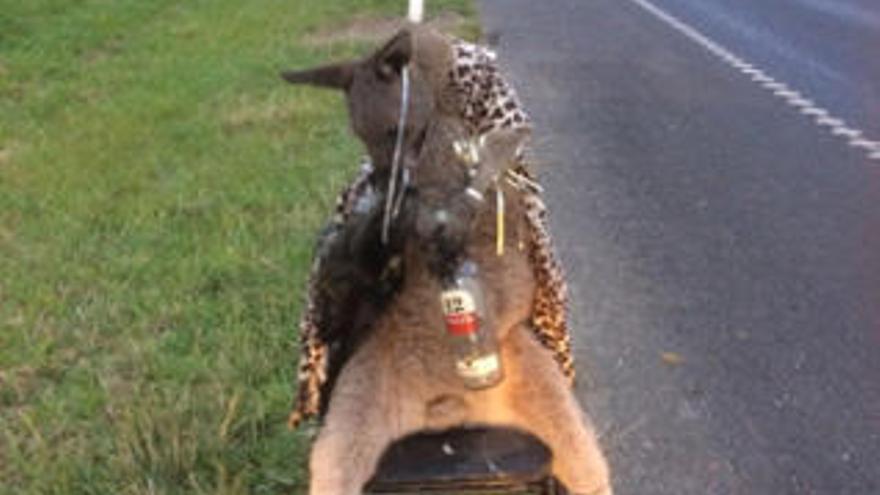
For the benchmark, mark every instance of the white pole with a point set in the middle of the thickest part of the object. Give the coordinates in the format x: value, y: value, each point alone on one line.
x: 416, y: 10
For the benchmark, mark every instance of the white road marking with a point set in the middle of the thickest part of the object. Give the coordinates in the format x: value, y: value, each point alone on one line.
x: 846, y: 131
x: 801, y: 102
x: 791, y: 97
x: 761, y: 78
x: 830, y: 121
x: 815, y: 112
x: 773, y: 85
x: 865, y: 144
x: 787, y: 93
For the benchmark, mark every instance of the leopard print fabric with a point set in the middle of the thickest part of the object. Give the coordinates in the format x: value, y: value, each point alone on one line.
x: 313, y: 360
x: 485, y: 99
x: 487, y: 103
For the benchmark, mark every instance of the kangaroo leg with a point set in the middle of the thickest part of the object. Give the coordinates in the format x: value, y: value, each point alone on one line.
x: 356, y: 431
x: 541, y: 402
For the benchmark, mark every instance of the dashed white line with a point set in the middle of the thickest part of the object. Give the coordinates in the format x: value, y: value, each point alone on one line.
x: 846, y: 132
x: 774, y: 85
x: 864, y: 144
x: 830, y: 121
x: 802, y: 103
x: 815, y: 112
x: 787, y: 93
x: 790, y: 96
x: 760, y: 77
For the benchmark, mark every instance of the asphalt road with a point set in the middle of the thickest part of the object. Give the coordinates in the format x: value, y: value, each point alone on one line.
x: 702, y: 217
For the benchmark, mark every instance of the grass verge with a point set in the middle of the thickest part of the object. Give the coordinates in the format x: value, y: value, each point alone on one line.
x: 159, y: 193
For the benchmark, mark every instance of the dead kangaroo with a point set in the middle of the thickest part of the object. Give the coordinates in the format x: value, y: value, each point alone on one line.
x: 395, y: 381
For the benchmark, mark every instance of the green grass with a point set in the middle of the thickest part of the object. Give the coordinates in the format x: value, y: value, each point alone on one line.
x: 160, y: 188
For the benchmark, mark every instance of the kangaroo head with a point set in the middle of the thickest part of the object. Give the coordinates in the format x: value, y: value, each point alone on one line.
x: 372, y: 87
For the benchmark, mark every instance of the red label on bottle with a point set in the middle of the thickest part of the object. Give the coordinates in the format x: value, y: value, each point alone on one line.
x: 460, y: 312
x: 461, y: 323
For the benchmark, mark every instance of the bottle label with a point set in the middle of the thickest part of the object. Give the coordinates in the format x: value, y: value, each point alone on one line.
x: 479, y: 367
x: 460, y: 312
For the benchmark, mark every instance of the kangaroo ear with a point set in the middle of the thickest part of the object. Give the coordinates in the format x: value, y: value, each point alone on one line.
x: 333, y: 76
x: 392, y: 57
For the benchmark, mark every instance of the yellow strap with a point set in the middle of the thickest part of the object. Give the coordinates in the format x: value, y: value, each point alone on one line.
x: 499, y: 219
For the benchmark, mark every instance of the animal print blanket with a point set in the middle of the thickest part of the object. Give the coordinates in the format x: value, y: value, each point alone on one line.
x: 488, y: 103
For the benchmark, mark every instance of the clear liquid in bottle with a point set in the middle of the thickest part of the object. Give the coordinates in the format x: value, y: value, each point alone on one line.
x: 473, y: 342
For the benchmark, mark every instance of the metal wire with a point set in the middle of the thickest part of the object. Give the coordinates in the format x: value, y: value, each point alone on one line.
x: 398, y: 151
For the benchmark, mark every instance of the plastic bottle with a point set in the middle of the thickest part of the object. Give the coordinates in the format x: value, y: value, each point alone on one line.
x: 474, y: 344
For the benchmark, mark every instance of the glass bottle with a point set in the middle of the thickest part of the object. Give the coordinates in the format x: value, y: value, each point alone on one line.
x: 474, y: 344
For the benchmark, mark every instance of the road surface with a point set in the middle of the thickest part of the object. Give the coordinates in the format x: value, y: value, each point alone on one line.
x: 723, y: 246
